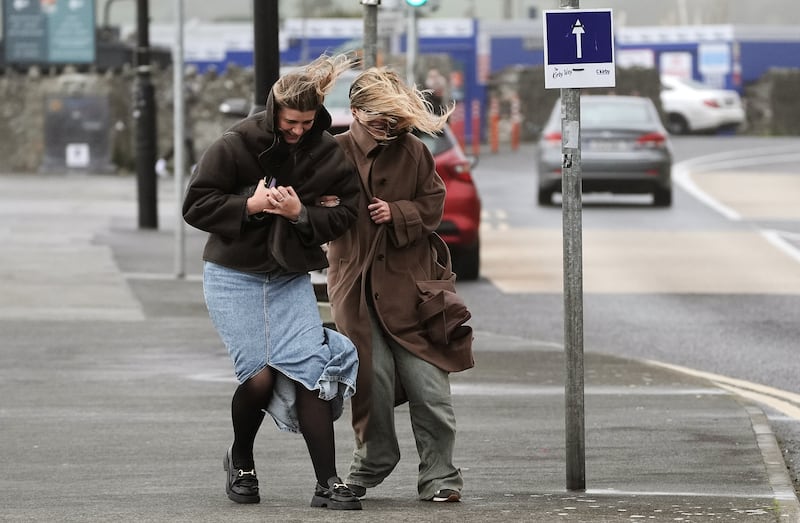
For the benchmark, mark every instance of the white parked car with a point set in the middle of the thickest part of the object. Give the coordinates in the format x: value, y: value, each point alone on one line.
x: 693, y: 107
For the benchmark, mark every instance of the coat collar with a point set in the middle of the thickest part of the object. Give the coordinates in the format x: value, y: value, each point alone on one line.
x: 367, y: 145
x: 367, y: 149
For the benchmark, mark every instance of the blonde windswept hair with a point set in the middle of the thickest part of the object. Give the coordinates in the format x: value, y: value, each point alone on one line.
x: 304, y: 89
x: 379, y: 92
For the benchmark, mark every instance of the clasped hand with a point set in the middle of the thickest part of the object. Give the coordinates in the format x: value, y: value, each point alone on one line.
x: 279, y: 200
x: 379, y: 211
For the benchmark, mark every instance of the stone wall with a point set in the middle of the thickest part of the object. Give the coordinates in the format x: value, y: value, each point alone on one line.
x: 773, y: 103
x: 24, y: 107
x: 773, y: 106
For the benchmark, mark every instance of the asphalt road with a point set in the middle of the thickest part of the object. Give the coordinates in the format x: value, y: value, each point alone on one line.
x: 711, y: 284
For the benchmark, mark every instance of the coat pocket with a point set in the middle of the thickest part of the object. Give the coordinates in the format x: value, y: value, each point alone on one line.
x: 442, y: 312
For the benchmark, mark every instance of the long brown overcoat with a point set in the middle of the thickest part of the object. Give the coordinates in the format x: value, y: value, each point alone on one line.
x: 390, y: 260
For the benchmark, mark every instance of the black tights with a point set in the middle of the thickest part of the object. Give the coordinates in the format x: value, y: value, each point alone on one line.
x: 313, y: 413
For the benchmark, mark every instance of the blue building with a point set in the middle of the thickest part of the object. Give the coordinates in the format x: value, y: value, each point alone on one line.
x: 729, y: 56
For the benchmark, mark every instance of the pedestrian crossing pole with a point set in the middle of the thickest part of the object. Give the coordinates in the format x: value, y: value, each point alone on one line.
x: 571, y: 209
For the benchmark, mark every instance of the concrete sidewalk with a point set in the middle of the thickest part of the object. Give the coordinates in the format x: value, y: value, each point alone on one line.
x: 115, y: 394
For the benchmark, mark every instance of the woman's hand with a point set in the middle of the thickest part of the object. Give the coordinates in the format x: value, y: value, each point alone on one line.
x: 260, y: 201
x: 328, y: 200
x: 379, y: 211
x: 283, y: 201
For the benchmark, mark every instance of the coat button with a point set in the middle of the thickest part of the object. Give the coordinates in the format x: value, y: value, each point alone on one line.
x: 382, y: 181
x: 381, y: 257
x: 376, y: 296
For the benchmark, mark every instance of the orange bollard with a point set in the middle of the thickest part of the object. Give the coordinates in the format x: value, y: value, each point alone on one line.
x: 515, y: 123
x: 476, y: 127
x: 458, y: 124
x: 494, y: 126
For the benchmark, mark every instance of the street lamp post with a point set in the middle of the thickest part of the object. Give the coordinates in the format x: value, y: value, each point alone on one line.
x: 145, y: 116
x: 266, y: 50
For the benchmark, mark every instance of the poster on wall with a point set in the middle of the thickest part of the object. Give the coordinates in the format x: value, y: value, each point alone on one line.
x: 676, y: 64
x: 49, y: 31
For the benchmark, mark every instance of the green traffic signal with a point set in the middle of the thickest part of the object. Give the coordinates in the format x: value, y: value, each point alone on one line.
x: 416, y: 3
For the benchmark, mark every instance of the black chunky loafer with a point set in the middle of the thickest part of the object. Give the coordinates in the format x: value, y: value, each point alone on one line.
x: 240, y: 485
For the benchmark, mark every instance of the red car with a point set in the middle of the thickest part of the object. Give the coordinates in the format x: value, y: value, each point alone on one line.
x: 460, y: 227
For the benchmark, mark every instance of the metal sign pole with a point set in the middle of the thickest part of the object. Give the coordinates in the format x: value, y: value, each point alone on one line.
x: 179, y: 140
x: 573, y: 281
x: 411, y: 46
x: 370, y: 32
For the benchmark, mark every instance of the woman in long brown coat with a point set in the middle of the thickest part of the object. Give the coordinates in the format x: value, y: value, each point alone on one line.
x: 390, y: 285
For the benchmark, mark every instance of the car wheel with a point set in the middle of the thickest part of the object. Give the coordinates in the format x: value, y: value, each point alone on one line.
x: 662, y: 197
x: 466, y: 262
x: 677, y: 124
x: 545, y: 197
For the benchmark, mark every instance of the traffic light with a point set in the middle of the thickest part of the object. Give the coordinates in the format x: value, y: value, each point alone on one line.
x: 416, y: 3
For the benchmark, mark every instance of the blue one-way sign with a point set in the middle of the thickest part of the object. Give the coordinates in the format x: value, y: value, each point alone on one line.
x: 579, y: 48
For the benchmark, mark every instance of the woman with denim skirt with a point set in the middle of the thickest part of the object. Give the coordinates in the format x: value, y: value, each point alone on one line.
x: 258, y: 191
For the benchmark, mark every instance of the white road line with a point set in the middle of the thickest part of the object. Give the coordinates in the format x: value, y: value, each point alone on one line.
x: 765, y: 155
x: 681, y: 173
x: 682, y: 176
x: 776, y: 239
x: 496, y: 220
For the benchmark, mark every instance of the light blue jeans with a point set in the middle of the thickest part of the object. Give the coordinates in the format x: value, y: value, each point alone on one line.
x: 433, y: 420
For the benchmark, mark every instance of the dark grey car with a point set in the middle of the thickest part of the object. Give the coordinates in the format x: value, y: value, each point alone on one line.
x: 624, y: 149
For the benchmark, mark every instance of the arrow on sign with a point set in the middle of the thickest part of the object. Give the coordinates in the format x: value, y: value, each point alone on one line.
x: 577, y: 30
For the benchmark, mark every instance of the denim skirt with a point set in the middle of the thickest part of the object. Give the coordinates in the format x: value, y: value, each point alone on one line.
x: 272, y: 320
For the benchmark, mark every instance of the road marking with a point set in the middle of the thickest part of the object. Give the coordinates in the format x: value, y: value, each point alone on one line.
x: 682, y: 176
x: 485, y: 389
x: 753, y: 195
x: 637, y: 261
x: 494, y: 220
x: 769, y: 196
x: 632, y: 261
x: 782, y: 400
x: 781, y: 406
x: 776, y: 238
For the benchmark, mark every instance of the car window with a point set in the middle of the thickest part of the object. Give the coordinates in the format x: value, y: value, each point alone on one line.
x: 690, y: 83
x: 339, y: 96
x: 609, y: 114
x: 694, y: 84
x: 437, y: 144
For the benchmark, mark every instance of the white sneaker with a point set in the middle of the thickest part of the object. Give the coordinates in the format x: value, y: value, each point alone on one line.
x: 161, y: 167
